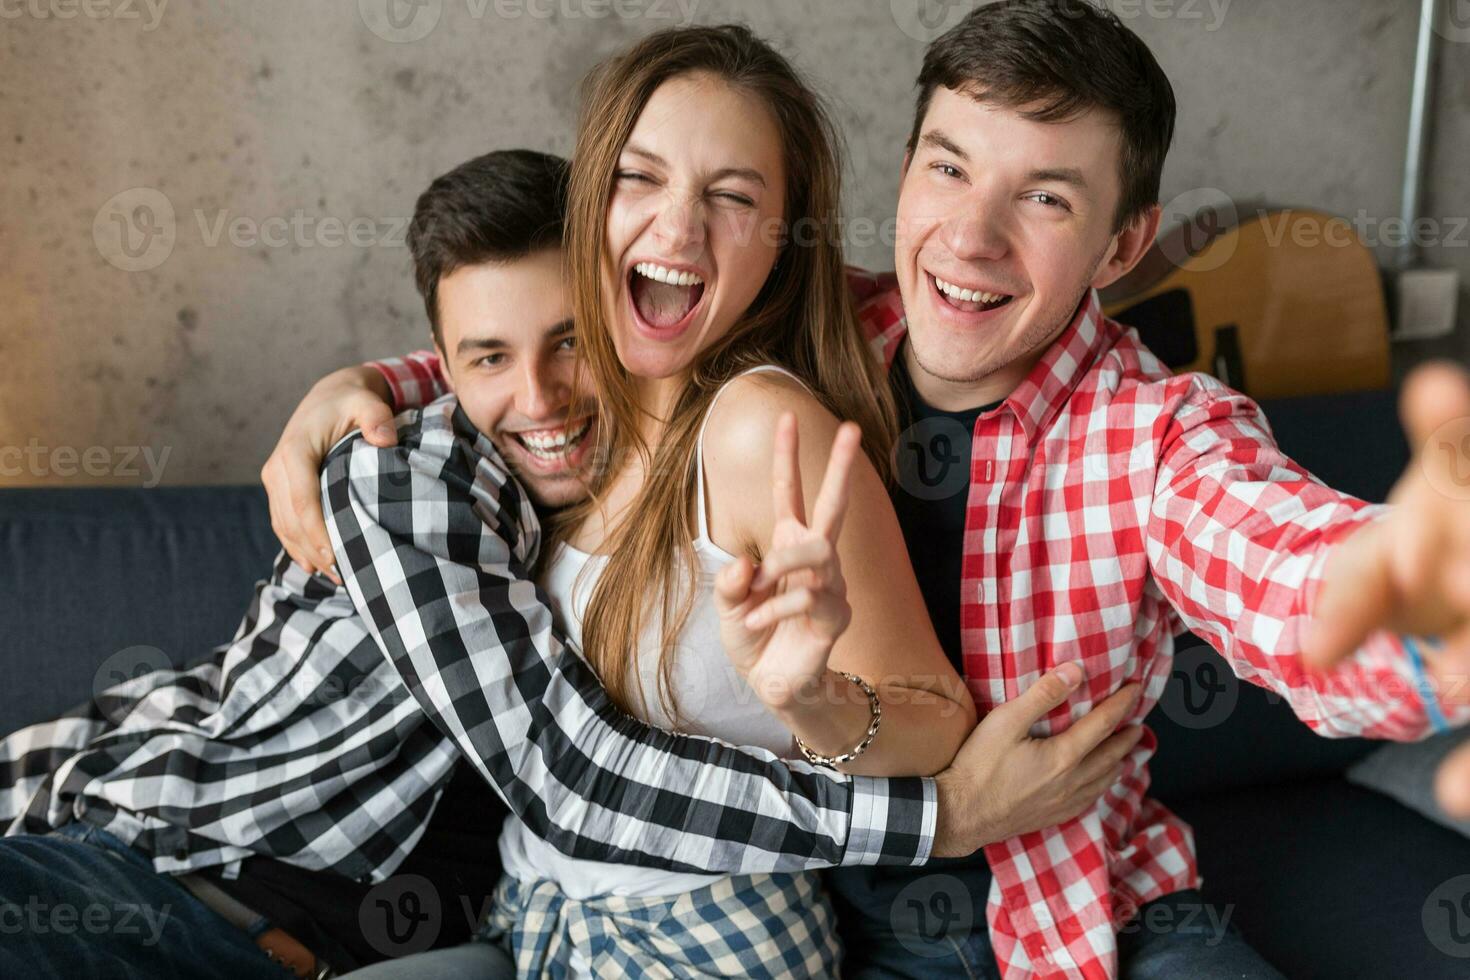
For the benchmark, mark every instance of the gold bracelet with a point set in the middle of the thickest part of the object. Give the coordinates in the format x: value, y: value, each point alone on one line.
x: 875, y: 708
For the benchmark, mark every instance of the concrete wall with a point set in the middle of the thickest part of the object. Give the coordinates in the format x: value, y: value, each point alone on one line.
x: 262, y: 158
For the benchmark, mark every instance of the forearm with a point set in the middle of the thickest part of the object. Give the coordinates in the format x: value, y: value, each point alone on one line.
x: 481, y: 655
x: 1258, y: 625
x: 919, y: 732
x: 1239, y: 543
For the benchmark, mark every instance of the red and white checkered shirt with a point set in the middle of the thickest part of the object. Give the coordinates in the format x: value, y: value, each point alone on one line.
x: 1113, y: 505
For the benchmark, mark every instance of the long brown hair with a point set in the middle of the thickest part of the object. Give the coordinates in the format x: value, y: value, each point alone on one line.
x: 803, y: 320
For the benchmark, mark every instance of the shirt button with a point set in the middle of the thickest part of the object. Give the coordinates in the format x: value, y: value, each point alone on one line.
x: 181, y: 855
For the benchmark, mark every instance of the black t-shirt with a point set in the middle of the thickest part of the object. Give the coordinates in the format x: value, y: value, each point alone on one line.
x: 931, y: 496
x: 458, y: 856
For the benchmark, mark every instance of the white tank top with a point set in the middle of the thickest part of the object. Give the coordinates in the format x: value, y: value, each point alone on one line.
x: 711, y: 697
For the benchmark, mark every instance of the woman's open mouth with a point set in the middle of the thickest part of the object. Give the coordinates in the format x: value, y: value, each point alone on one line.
x: 664, y: 299
x: 968, y: 300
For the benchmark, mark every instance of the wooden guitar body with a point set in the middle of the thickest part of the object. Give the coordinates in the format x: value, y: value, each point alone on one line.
x: 1284, y: 303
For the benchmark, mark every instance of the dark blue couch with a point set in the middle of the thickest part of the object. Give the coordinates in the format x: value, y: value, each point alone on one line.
x: 1328, y: 880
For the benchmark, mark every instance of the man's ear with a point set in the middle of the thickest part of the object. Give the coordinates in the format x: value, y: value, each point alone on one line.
x: 1129, y: 247
x: 903, y: 170
x: 444, y: 371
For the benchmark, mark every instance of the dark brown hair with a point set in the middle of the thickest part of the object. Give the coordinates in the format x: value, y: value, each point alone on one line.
x: 497, y: 207
x: 1054, y: 60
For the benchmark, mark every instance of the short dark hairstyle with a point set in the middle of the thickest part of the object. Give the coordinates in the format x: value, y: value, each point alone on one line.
x: 1057, y: 59
x: 498, y: 207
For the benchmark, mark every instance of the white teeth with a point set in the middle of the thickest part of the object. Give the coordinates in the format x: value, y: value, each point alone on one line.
x: 673, y: 277
x: 967, y: 295
x: 553, y: 443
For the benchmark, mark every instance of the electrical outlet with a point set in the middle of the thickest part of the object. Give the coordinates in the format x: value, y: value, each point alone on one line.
x: 1428, y: 299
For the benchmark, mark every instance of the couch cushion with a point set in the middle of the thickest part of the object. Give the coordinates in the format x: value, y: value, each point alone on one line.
x: 1217, y: 732
x: 1352, y: 442
x: 1331, y: 881
x: 92, y: 573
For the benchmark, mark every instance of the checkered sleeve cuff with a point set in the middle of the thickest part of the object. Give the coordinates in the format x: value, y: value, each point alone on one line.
x: 893, y: 821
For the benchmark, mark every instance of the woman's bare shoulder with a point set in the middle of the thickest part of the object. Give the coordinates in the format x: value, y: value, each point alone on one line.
x: 741, y: 430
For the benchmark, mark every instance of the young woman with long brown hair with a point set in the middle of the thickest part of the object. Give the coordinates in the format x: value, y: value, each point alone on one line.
x: 710, y: 301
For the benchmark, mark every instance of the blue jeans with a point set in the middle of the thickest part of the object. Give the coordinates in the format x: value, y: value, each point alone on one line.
x: 477, y: 960
x: 80, y: 903
x: 1179, y: 935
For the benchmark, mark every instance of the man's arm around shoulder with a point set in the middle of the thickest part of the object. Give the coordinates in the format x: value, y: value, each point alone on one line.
x: 434, y: 541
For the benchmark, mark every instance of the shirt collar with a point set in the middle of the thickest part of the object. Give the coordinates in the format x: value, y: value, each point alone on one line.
x: 1040, y: 397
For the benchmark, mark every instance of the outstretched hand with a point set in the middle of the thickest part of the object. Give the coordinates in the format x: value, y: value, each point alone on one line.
x: 780, y: 619
x: 1410, y: 572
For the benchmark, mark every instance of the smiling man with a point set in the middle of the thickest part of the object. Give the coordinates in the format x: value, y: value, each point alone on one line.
x: 302, y: 771
x: 545, y: 437
x: 1108, y: 505
x: 1008, y: 219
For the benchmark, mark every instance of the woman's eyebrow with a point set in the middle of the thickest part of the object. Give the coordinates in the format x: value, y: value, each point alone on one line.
x: 639, y: 151
x: 745, y: 173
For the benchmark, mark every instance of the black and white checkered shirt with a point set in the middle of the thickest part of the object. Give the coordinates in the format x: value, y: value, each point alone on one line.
x: 302, y: 741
